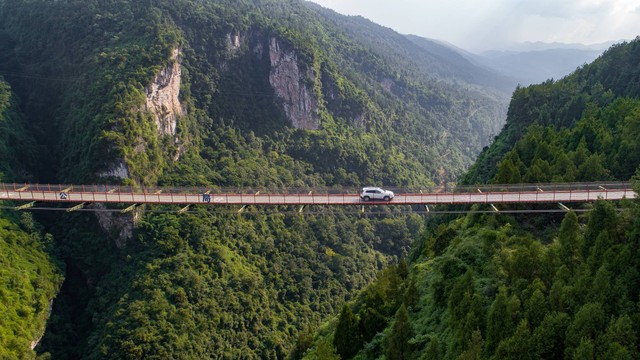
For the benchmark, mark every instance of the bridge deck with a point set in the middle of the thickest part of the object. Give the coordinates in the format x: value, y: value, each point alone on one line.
x: 496, y: 194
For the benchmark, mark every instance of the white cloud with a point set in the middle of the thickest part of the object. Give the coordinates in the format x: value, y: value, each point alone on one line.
x: 493, y: 23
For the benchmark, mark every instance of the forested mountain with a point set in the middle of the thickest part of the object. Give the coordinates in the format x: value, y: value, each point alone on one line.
x: 562, y: 103
x: 523, y: 286
x: 217, y: 93
x: 454, y: 62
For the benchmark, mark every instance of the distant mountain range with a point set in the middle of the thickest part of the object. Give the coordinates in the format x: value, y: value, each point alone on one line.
x: 540, y: 46
x: 524, y: 63
x: 536, y: 66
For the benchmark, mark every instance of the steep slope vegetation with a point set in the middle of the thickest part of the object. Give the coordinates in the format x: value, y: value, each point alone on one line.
x: 29, y: 275
x: 257, y: 94
x: 563, y: 102
x: 523, y: 286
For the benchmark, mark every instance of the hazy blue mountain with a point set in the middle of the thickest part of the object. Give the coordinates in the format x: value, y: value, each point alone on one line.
x: 454, y: 63
x: 531, y: 67
x: 524, y: 64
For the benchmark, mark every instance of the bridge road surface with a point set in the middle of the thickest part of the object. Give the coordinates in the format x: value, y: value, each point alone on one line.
x: 78, y: 194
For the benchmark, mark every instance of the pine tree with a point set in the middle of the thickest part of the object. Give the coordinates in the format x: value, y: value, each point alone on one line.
x: 569, y: 240
x: 411, y: 295
x: 603, y: 217
x: 518, y: 346
x: 396, y: 344
x: 588, y: 322
x: 324, y: 351
x: 347, y: 339
x: 433, y: 350
x: 474, y: 348
x: 508, y: 173
x: 548, y: 338
x: 536, y: 308
x: 585, y: 350
x: 499, y: 323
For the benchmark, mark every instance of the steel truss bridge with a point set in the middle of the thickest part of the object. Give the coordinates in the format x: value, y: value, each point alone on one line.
x: 77, y: 196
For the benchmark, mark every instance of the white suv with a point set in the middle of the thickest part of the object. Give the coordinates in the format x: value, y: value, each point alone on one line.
x: 375, y: 193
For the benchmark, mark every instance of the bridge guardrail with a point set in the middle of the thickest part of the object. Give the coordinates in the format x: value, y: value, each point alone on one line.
x: 491, y: 188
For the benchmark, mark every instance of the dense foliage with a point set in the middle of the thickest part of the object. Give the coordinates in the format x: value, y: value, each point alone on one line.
x: 29, y: 275
x: 526, y: 286
x: 562, y: 103
x: 29, y: 280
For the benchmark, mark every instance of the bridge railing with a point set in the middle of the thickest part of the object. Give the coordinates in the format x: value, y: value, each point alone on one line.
x: 489, y: 188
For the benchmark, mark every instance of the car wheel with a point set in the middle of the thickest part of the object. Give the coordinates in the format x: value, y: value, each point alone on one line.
x: 366, y: 198
x: 386, y: 198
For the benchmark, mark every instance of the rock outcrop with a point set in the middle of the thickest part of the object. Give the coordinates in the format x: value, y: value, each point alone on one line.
x: 117, y: 226
x: 162, y: 100
x: 293, y: 85
x: 163, y: 97
x: 118, y: 169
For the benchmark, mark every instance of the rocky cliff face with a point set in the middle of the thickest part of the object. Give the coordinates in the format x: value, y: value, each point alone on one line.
x: 293, y: 85
x: 162, y: 100
x: 118, y: 169
x: 163, y: 97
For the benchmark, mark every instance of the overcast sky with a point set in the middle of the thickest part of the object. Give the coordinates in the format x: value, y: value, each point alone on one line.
x: 483, y: 24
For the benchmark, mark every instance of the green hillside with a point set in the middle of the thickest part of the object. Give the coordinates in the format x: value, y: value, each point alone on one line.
x: 30, y: 276
x: 562, y: 103
x: 524, y: 286
x: 271, y: 94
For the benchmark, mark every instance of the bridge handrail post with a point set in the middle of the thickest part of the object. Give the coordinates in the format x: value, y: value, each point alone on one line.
x: 571, y: 191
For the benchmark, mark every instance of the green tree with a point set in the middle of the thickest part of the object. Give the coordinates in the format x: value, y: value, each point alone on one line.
x: 324, y: 351
x: 371, y: 323
x: 620, y: 339
x: 518, y: 346
x: 474, y: 348
x: 589, y: 322
x: 569, y: 237
x: 347, y: 339
x: 536, y: 308
x: 432, y: 351
x: 548, y: 338
x: 585, y: 350
x: 508, y: 173
x: 603, y: 217
x: 396, y: 344
x: 499, y: 321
